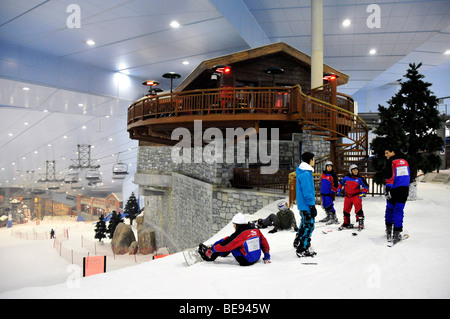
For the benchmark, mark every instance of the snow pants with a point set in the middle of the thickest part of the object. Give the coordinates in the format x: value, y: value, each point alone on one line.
x: 328, y: 203
x: 349, y: 202
x: 305, y: 230
x: 395, y: 207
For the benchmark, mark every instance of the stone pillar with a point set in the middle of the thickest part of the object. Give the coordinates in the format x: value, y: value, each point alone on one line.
x: 316, y: 43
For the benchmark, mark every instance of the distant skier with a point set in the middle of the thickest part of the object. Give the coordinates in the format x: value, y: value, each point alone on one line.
x: 355, y: 188
x: 245, y: 244
x: 328, y: 188
x: 52, y: 234
x: 306, y: 201
x: 397, y: 190
x: 284, y: 219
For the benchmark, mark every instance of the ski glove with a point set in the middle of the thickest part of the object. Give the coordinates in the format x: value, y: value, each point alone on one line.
x: 266, y: 258
x: 274, y: 230
x: 313, y: 211
x: 387, y: 193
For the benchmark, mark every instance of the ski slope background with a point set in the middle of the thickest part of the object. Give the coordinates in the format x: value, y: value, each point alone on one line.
x: 348, y: 266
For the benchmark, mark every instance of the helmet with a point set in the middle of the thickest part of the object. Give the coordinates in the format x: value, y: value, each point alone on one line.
x: 282, y: 205
x: 352, y: 167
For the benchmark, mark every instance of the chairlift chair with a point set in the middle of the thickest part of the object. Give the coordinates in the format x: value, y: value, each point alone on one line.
x: 120, y: 170
x: 93, y: 176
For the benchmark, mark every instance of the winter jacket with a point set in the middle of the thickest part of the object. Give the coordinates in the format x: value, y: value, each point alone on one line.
x: 245, y: 244
x: 285, y: 219
x: 353, y: 185
x: 328, y: 183
x: 306, y: 194
x: 397, y: 172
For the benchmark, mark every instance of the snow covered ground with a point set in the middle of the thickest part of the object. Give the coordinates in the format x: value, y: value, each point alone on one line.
x: 348, y: 266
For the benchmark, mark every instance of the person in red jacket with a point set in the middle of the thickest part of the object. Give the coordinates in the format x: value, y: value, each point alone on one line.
x: 355, y: 188
x: 245, y: 244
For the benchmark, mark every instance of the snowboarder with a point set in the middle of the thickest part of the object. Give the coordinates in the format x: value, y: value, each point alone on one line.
x: 284, y: 219
x: 306, y: 201
x: 328, y: 187
x: 245, y: 244
x: 355, y: 188
x: 397, y: 190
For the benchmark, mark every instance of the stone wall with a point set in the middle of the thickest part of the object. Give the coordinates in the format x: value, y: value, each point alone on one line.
x: 197, y: 201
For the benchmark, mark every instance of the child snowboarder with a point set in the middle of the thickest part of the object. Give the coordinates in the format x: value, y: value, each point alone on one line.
x: 245, y: 244
x: 284, y: 219
x: 328, y: 187
x: 355, y: 188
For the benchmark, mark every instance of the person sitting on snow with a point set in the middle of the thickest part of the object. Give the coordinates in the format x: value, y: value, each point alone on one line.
x: 245, y: 244
x: 284, y: 219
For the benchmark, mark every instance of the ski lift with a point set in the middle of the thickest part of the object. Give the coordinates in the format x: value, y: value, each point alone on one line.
x: 53, y: 186
x: 93, y: 176
x: 120, y: 170
x: 71, y: 178
x: 76, y: 186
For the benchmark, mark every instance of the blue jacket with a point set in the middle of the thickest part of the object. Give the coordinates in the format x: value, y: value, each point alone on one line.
x: 306, y: 193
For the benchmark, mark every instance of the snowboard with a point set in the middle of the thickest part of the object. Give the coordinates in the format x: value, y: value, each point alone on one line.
x: 191, y: 256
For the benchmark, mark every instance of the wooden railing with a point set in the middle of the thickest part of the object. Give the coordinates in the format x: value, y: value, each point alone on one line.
x: 214, y: 101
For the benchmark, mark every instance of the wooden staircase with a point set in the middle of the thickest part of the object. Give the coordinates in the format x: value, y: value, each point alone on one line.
x: 346, y: 132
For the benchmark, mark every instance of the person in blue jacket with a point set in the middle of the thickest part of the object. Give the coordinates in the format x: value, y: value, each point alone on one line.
x: 306, y: 201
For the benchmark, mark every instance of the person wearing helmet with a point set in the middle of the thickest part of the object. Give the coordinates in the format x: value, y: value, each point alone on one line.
x: 355, y: 188
x: 284, y: 219
x: 245, y: 244
x: 328, y: 187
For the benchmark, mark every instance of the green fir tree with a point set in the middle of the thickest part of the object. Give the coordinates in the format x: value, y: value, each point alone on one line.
x: 113, y: 222
x: 131, y: 208
x: 100, y: 228
x: 409, y: 124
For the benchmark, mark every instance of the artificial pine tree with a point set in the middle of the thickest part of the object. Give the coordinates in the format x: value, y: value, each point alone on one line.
x: 113, y: 222
x: 131, y: 208
x: 100, y: 228
x: 410, y: 123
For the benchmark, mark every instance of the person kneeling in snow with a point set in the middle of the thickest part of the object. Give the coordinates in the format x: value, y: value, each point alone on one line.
x: 245, y: 244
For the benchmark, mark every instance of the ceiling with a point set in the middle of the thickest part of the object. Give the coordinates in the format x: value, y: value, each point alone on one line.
x: 79, y: 93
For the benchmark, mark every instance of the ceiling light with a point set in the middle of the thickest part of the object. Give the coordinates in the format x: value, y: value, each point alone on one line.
x: 185, y: 62
x: 90, y: 42
x: 174, y: 24
x: 346, y: 22
x: 10, y: 134
x: 26, y: 88
x: 26, y: 123
x: 372, y: 51
x: 84, y: 127
x: 447, y: 52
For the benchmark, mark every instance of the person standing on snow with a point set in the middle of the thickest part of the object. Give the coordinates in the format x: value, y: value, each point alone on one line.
x: 306, y: 201
x: 328, y: 187
x: 355, y: 188
x: 397, y: 190
x: 245, y: 244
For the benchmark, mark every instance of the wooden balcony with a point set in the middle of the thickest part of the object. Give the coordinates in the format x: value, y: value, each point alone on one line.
x: 153, y: 118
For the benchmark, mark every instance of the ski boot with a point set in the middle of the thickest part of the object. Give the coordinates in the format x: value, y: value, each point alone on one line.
x: 345, y: 226
x: 333, y: 219
x: 305, y: 253
x: 327, y: 218
x: 203, y: 251
x: 360, y: 223
x: 389, y: 232
x: 397, y: 236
